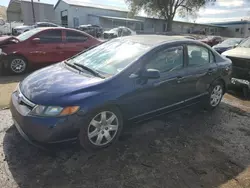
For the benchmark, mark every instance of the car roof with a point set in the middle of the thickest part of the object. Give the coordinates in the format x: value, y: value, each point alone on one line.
x: 155, y: 40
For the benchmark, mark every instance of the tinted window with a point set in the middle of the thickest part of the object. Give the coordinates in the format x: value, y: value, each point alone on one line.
x: 197, y: 55
x: 42, y: 25
x: 72, y: 36
x: 51, y: 36
x: 125, y: 32
x: 167, y: 60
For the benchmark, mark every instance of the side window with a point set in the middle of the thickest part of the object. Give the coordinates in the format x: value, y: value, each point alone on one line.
x: 72, y: 36
x: 126, y: 32
x: 167, y: 60
x: 42, y: 25
x: 51, y: 36
x: 197, y: 55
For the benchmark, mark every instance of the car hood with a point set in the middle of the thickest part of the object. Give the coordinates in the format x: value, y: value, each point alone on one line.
x: 238, y: 52
x: 6, y: 39
x: 56, y: 84
x: 222, y: 46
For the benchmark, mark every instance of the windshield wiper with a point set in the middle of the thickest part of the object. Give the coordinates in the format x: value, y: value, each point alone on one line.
x: 72, y: 65
x: 88, y: 69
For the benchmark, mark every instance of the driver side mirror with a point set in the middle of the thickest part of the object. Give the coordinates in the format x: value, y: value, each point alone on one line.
x: 36, y: 40
x: 150, y: 74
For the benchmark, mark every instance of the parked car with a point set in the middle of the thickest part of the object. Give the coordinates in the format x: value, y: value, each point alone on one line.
x: 240, y: 57
x: 118, y: 32
x: 92, y: 94
x: 42, y: 46
x: 93, y: 30
x: 212, y: 40
x: 21, y: 29
x: 185, y: 36
x: 227, y: 44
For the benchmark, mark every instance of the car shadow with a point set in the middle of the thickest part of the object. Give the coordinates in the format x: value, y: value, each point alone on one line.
x: 188, y: 148
x: 238, y: 93
x: 11, y: 79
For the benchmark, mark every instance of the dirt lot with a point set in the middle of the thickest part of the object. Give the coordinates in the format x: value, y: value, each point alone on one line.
x: 189, y: 148
x: 7, y: 85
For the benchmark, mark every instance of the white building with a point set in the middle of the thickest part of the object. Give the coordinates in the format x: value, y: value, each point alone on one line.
x: 21, y: 11
x: 236, y: 28
x: 72, y: 13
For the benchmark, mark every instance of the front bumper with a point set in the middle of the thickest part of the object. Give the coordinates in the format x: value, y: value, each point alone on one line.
x: 42, y: 129
x: 240, y: 83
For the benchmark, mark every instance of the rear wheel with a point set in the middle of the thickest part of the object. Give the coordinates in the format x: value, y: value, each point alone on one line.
x: 103, y: 127
x: 215, y: 95
x: 17, y: 64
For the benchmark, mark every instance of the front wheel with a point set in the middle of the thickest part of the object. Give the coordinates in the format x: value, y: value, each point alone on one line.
x: 215, y: 95
x: 103, y: 127
x: 17, y: 64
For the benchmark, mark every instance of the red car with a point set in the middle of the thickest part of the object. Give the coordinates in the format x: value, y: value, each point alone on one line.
x: 42, y: 46
x: 212, y: 40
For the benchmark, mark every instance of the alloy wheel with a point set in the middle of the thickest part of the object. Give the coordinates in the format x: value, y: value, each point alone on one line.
x: 102, y: 128
x: 18, y: 65
x: 216, y: 95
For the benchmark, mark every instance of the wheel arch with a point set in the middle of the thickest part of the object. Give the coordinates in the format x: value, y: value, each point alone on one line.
x: 221, y: 80
x: 9, y: 56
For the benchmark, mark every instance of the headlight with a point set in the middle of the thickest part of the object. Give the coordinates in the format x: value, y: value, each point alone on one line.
x: 40, y: 110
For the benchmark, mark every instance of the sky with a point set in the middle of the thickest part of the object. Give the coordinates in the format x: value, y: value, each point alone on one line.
x: 222, y: 10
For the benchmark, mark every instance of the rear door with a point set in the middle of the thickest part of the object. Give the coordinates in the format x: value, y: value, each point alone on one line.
x: 202, y: 69
x: 75, y: 42
x: 49, y: 49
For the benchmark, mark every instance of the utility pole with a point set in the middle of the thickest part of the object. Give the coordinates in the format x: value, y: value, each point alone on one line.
x: 33, y: 11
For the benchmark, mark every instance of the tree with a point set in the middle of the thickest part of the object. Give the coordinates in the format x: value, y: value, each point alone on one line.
x: 167, y: 9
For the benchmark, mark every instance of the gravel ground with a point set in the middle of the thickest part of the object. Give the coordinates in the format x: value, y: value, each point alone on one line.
x: 189, y: 149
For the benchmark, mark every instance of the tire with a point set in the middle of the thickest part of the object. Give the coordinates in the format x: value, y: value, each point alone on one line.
x: 96, y: 134
x: 17, y: 65
x: 214, y: 98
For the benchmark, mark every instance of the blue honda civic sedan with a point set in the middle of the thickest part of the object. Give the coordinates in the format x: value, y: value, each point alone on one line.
x: 92, y: 94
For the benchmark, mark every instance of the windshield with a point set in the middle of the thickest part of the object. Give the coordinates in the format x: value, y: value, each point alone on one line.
x: 245, y: 43
x: 111, y: 57
x: 231, y: 42
x: 28, y: 34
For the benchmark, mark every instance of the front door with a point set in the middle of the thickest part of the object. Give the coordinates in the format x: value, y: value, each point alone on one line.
x: 49, y: 49
x: 155, y: 95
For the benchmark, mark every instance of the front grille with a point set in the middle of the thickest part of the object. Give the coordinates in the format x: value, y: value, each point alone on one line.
x: 22, y: 100
x: 241, y: 68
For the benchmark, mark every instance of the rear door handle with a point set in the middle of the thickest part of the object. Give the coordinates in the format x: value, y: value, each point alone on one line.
x: 210, y: 71
x: 179, y: 79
